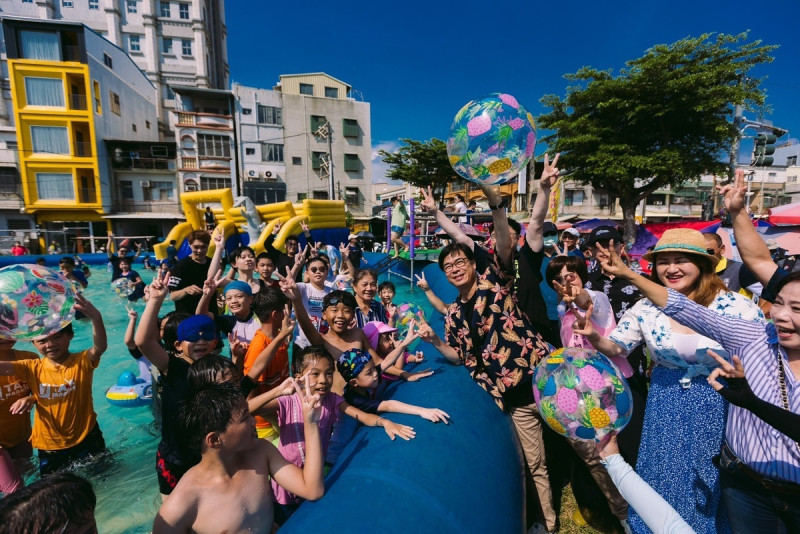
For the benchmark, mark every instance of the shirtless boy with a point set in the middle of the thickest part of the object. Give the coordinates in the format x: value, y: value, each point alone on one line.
x: 236, y: 467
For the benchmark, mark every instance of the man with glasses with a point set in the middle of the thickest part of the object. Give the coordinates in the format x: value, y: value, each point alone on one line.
x: 734, y: 274
x: 189, y: 275
x: 486, y: 331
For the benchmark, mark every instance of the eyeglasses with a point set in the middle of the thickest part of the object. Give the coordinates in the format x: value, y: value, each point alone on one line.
x: 569, y: 277
x: 197, y: 336
x: 711, y: 251
x: 460, y: 263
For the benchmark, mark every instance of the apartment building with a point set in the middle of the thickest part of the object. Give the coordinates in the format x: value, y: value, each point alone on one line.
x: 70, y: 90
x: 172, y: 42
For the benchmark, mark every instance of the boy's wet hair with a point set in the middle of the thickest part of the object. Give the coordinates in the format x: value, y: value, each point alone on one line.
x: 362, y: 273
x: 268, y: 300
x: 199, y: 235
x: 322, y: 258
x: 308, y: 357
x: 213, y: 369
x: 335, y: 297
x: 210, y: 408
x: 170, y: 336
x: 387, y: 285
x: 48, y: 505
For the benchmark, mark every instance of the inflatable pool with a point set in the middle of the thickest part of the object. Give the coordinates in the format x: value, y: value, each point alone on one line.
x: 130, y: 391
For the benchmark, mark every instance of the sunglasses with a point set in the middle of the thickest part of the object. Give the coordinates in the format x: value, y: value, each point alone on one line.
x: 317, y: 269
x: 711, y: 251
x: 197, y: 336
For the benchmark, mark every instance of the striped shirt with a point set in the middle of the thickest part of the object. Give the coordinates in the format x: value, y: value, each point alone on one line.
x: 377, y: 312
x: 761, y: 447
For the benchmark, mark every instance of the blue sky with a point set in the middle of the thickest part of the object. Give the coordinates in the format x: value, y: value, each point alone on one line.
x: 418, y: 62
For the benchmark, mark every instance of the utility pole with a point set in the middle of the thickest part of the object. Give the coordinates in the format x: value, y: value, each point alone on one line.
x: 330, y: 160
x: 734, y: 155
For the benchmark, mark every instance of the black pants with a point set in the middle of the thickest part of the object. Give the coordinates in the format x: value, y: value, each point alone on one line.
x: 53, y: 461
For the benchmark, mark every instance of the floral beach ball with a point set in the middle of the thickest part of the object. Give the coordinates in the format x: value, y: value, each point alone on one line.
x: 34, y: 302
x: 581, y: 394
x: 491, y: 139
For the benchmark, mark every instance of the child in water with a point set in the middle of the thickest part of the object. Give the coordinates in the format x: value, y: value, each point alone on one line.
x: 133, y: 276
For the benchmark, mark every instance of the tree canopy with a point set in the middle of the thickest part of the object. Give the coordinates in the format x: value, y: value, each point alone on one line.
x: 666, y: 118
x: 421, y: 163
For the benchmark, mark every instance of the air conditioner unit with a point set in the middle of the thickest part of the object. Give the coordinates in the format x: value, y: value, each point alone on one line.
x: 145, y: 184
x: 267, y: 174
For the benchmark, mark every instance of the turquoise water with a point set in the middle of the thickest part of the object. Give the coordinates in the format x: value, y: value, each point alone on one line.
x: 127, y: 489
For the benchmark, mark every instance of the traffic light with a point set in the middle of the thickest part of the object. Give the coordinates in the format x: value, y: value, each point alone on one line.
x: 763, y: 148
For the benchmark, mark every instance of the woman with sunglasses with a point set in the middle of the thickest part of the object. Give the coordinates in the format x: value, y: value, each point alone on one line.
x: 685, y: 419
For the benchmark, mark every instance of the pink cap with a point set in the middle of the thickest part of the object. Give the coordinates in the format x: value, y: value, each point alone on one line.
x: 373, y: 331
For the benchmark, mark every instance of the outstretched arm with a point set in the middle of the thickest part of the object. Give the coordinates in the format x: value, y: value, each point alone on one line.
x: 534, y: 236
x: 216, y: 259
x: 437, y: 303
x: 434, y: 415
x: 265, y: 357
x: 391, y: 428
x: 129, y: 331
x: 503, y: 245
x: 99, y: 340
x: 289, y: 288
x: 210, y: 286
x: 147, y: 335
x: 429, y: 336
x: 428, y: 205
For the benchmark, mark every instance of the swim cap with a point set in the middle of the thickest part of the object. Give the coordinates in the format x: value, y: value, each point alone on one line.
x: 352, y: 362
x: 196, y: 327
x: 238, y: 285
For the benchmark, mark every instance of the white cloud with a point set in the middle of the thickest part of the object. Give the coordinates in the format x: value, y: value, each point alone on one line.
x: 379, y: 168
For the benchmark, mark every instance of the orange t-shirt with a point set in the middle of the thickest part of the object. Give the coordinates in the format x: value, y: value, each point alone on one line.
x: 64, y: 411
x: 276, y: 372
x: 16, y: 428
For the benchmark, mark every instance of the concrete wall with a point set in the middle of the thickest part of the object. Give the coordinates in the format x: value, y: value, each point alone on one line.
x: 252, y: 135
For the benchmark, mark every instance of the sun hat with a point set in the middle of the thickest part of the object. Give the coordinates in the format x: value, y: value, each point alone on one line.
x: 682, y: 240
x: 352, y: 362
x: 373, y: 331
x: 605, y: 233
x: 571, y: 231
x: 195, y: 327
x: 772, y: 244
x: 238, y: 285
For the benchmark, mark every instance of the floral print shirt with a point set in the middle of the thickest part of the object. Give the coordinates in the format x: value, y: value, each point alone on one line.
x: 495, y: 339
x: 646, y: 323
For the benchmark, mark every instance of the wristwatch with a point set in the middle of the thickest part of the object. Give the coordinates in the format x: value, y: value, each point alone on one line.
x: 503, y: 204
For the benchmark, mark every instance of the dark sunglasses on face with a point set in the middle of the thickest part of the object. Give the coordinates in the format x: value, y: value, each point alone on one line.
x: 317, y: 269
x: 711, y: 251
x: 197, y: 336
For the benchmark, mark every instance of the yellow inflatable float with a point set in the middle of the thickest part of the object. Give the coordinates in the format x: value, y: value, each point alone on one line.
x: 249, y: 224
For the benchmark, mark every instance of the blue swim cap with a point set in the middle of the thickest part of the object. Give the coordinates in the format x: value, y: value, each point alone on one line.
x: 238, y: 285
x: 352, y: 362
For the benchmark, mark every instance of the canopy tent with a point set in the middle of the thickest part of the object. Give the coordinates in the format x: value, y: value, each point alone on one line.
x: 785, y: 215
x: 647, y: 235
x: 590, y: 224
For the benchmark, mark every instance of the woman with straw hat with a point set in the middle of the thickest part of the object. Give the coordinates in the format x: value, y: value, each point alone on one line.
x: 684, y: 419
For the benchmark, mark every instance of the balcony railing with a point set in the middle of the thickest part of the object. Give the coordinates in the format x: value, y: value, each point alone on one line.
x: 157, y: 164
x: 148, y: 206
x: 83, y: 149
x: 185, y: 119
x: 88, y: 195
x: 188, y: 162
x: 77, y: 102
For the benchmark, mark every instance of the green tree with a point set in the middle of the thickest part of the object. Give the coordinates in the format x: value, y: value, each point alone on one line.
x: 665, y: 119
x: 422, y: 164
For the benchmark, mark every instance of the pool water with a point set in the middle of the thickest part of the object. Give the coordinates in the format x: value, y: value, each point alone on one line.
x: 126, y: 487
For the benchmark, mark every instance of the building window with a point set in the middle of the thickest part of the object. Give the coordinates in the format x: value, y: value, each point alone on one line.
x: 351, y: 196
x: 791, y: 160
x: 134, y: 44
x: 272, y: 152
x: 574, y: 197
x: 186, y: 47
x: 167, y: 45
x: 212, y: 182
x: 11, y: 145
x: 317, y: 158
x: 183, y: 11
x: 165, y: 12
x: 40, y: 45
x: 44, y: 92
x: 108, y: 61
x: 27, y: 1
x: 247, y: 111
x: 331, y: 92
x: 319, y: 195
x: 306, y: 89
x: 214, y: 145
x: 114, y: 99
x: 98, y: 103
x: 168, y: 94
x: 159, y: 191
x: 249, y: 151
x: 131, y: 6
x: 302, y: 196
x: 316, y: 122
x: 94, y: 4
x: 66, y: 3
x: 147, y: 124
x: 133, y: 126
x: 350, y: 128
x: 352, y: 163
x: 50, y: 140
x: 297, y: 160
x: 269, y: 115
x: 126, y: 190
x: 55, y: 186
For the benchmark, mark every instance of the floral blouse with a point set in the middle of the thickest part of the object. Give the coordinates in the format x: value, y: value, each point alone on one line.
x: 646, y: 323
x: 496, y: 341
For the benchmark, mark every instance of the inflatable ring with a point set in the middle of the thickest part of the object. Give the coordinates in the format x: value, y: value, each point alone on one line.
x: 130, y: 391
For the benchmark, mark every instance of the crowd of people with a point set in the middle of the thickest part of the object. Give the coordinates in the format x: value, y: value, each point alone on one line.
x: 712, y: 445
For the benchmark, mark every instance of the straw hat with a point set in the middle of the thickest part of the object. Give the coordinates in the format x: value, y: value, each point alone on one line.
x: 683, y: 240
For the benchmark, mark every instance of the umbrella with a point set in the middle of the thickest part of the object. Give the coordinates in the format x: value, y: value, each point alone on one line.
x: 785, y: 215
x: 365, y: 234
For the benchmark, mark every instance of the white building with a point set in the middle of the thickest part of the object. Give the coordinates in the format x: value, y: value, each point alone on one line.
x: 174, y: 43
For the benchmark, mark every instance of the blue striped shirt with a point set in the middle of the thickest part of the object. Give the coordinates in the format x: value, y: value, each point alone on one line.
x: 761, y: 447
x: 377, y: 312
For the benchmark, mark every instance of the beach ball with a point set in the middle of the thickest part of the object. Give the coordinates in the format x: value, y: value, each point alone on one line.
x: 34, y: 302
x: 405, y: 314
x: 581, y: 394
x: 491, y: 139
x: 123, y: 287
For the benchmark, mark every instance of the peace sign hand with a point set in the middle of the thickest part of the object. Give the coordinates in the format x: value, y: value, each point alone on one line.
x: 312, y: 407
x: 583, y: 324
x: 734, y: 194
x: 549, y: 173
x: 421, y: 282
x: 613, y: 265
x: 428, y: 203
x: 212, y: 283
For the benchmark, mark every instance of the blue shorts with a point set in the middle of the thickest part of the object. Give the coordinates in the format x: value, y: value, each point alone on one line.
x: 398, y: 230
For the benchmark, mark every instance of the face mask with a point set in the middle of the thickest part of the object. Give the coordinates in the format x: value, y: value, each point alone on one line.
x: 550, y: 241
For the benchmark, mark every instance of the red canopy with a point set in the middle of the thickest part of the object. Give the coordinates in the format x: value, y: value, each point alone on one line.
x: 788, y: 214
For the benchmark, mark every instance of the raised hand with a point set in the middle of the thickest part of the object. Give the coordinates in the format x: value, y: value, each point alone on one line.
x: 132, y: 314
x: 608, y: 446
x: 393, y: 429
x: 435, y: 415
x: 421, y: 282
x: 276, y: 228
x: 344, y: 250
x: 86, y: 307
x: 426, y: 333
x: 550, y: 171
x: 212, y: 283
x: 159, y: 288
x: 734, y: 194
x: 312, y: 407
x: 583, y: 324
x: 287, y: 387
x: 218, y: 238
x: 560, y: 251
x: 304, y: 226
x: 288, y: 286
x: 419, y: 356
x: 613, y: 264
x: 413, y: 333
x: 428, y: 203
x: 238, y: 347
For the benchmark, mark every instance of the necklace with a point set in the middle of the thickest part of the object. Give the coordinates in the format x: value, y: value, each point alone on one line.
x: 782, y: 384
